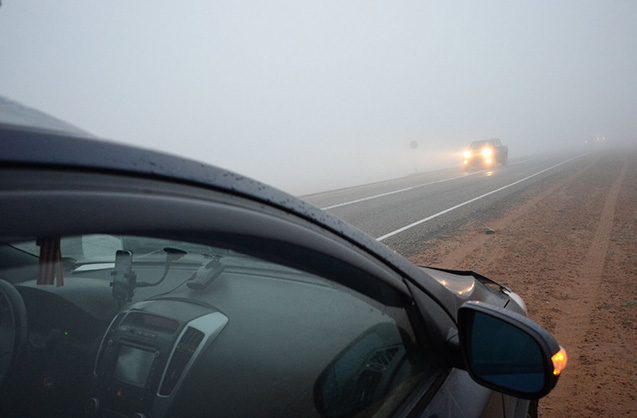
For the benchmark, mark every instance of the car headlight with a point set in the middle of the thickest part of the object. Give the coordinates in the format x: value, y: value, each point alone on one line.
x: 487, y: 152
x: 466, y: 154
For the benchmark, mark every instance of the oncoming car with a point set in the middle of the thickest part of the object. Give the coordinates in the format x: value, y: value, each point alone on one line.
x: 485, y: 153
x: 136, y: 284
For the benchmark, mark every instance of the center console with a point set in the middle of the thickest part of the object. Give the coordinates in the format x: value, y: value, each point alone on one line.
x: 146, y: 354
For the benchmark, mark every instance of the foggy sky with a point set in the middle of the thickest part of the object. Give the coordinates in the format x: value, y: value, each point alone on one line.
x: 309, y: 96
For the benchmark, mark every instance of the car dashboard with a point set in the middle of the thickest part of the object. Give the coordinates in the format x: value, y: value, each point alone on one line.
x: 177, y: 348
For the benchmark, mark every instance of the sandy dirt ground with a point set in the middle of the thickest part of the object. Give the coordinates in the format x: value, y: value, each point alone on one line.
x: 569, y: 248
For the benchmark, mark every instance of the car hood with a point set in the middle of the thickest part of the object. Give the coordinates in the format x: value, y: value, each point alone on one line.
x: 468, y: 285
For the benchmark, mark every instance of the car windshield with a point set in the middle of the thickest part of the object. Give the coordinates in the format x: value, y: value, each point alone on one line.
x: 96, y: 248
x: 159, y: 266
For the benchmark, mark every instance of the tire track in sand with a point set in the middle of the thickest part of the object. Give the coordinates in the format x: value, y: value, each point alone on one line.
x: 590, y: 276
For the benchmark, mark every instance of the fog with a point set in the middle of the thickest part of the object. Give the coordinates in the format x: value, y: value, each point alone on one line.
x: 309, y: 96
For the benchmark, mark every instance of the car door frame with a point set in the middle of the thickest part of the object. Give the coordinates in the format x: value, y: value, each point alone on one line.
x: 49, y: 201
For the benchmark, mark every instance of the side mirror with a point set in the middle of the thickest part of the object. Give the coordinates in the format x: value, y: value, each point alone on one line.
x: 508, y: 352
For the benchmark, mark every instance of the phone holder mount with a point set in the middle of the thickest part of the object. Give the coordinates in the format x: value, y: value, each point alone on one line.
x: 124, y: 290
x: 124, y: 279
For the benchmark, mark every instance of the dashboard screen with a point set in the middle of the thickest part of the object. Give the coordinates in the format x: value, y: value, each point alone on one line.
x: 133, y: 365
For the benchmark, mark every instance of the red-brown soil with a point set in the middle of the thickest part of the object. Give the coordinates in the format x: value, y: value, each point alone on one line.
x: 569, y: 248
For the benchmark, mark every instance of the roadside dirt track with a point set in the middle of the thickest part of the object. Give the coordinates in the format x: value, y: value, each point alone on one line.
x: 570, y: 249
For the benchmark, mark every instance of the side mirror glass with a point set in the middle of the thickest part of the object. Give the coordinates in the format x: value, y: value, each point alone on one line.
x: 507, y: 351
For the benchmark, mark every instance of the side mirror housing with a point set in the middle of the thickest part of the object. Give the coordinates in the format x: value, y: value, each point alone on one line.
x: 508, y: 352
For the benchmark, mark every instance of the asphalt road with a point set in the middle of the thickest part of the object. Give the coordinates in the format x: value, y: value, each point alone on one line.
x: 405, y: 213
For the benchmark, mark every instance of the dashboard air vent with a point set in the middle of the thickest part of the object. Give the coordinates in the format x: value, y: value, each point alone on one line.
x: 186, y: 347
x: 384, y: 357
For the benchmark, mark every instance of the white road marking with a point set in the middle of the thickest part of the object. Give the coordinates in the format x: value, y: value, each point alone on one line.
x: 428, y: 218
x: 398, y: 191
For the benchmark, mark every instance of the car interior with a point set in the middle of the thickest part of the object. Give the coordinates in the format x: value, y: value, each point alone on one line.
x: 121, y: 325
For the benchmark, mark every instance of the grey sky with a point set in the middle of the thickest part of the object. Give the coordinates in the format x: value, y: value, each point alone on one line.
x: 314, y: 95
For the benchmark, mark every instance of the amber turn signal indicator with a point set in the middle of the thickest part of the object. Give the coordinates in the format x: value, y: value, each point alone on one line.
x: 559, y: 361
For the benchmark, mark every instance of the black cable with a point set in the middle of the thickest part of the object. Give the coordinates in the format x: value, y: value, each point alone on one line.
x: 172, y: 254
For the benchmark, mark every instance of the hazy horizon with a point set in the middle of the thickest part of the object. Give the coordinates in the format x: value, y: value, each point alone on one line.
x: 316, y: 96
